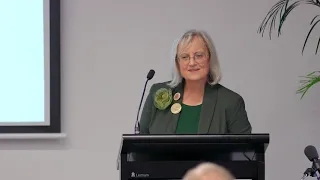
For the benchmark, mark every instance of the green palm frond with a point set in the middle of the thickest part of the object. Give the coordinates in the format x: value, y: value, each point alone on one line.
x: 313, y: 2
x: 281, y: 10
x: 285, y: 14
x: 313, y: 24
x: 309, y: 81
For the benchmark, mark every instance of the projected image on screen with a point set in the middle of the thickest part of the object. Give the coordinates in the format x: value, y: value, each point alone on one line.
x: 22, y: 62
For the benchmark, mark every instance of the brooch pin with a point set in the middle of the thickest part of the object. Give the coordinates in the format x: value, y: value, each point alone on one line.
x: 176, y: 108
x: 176, y: 96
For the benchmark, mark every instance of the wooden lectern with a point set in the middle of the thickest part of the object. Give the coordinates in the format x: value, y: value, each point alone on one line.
x: 170, y: 156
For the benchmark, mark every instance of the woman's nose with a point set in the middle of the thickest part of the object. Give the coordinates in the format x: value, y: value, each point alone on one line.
x: 192, y: 61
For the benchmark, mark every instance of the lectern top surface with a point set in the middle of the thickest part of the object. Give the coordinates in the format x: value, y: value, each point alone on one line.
x: 231, y: 138
x: 226, y: 142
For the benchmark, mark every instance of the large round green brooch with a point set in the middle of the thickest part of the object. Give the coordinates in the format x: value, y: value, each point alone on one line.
x: 162, y: 98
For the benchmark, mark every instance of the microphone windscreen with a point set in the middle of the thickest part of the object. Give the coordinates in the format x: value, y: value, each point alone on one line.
x: 150, y: 74
x: 311, y: 152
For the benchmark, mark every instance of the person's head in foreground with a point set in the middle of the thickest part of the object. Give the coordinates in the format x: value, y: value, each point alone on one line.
x: 194, y: 60
x: 208, y: 171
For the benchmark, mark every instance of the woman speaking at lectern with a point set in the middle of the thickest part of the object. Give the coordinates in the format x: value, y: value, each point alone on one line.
x: 194, y: 102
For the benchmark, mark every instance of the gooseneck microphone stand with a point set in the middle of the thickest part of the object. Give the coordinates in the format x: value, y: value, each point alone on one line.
x: 316, y: 167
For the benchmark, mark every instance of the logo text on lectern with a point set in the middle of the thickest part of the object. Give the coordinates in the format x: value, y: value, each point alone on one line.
x: 138, y: 175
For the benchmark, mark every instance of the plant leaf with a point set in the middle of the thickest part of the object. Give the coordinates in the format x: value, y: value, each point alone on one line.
x: 307, y: 84
x: 272, y: 15
x: 286, y: 13
x: 311, y: 29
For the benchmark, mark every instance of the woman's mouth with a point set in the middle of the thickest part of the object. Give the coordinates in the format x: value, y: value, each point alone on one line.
x: 193, y: 70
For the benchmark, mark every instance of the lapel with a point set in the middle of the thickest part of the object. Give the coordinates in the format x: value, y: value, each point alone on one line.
x: 173, y: 120
x: 208, y: 107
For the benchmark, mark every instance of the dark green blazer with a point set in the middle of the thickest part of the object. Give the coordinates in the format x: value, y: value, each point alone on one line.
x: 223, y: 112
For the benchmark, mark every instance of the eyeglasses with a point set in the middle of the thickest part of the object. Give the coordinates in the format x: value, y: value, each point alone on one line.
x: 198, y: 57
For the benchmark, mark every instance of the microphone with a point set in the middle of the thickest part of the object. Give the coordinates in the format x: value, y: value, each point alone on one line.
x: 137, y: 124
x: 312, y: 154
x: 150, y: 74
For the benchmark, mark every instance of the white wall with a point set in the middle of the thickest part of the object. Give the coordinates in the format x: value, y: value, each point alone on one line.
x: 108, y: 46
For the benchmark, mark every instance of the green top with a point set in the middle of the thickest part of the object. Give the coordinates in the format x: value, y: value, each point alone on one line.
x: 222, y: 112
x: 189, y: 119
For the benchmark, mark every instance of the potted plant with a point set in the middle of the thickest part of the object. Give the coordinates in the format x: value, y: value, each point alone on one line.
x: 276, y: 17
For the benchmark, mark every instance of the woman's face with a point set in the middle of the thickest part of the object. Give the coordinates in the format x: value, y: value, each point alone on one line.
x: 193, y: 60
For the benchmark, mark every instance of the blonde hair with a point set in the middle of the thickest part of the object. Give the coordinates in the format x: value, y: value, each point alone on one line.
x: 207, y: 169
x: 215, y: 71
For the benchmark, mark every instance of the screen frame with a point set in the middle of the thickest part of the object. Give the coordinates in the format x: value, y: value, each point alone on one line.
x: 55, y: 80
